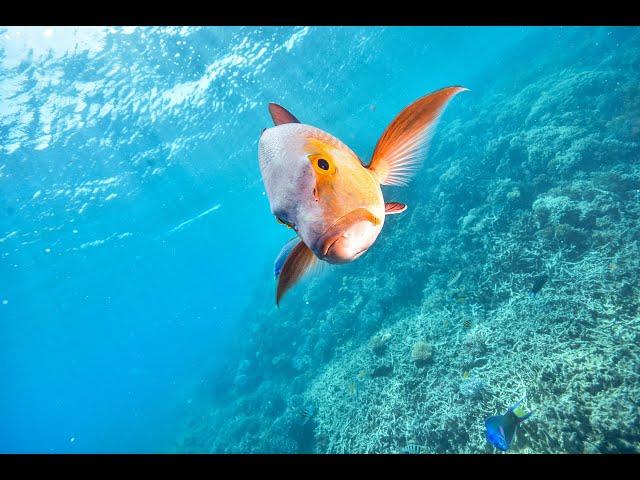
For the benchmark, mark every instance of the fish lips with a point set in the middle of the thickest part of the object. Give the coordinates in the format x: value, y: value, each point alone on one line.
x: 336, y: 246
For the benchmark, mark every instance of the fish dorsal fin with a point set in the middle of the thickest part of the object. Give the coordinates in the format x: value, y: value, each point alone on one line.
x: 298, y: 262
x: 281, y: 115
x: 404, y: 143
x: 391, y: 208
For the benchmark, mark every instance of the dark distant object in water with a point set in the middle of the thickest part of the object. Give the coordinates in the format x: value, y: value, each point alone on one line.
x: 413, y: 449
x: 501, y: 428
x: 626, y: 290
x: 307, y: 413
x: 382, y: 371
x: 538, y: 284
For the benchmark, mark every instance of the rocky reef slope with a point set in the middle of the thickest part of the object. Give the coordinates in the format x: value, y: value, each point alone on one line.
x: 514, y: 272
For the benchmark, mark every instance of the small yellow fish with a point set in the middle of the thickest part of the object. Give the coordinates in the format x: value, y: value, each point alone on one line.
x: 465, y: 375
x: 320, y: 188
x: 352, y: 388
x: 362, y: 374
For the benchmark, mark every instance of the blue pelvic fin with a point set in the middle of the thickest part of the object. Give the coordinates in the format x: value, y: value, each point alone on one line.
x: 295, y: 259
x: 282, y: 256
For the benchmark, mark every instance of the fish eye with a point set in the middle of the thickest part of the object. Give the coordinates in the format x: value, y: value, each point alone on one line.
x: 284, y: 222
x: 322, y: 164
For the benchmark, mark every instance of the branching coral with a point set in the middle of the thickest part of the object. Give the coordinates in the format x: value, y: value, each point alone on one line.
x: 547, y: 185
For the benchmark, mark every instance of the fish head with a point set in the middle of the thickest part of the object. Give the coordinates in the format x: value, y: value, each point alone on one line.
x: 318, y: 185
x: 495, y: 433
x: 497, y: 440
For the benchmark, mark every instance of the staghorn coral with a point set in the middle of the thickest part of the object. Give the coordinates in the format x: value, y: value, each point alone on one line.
x: 472, y: 388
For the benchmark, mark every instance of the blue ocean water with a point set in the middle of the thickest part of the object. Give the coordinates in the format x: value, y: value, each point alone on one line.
x: 136, y: 241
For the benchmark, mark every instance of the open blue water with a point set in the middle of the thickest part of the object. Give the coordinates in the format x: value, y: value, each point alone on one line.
x: 135, y: 234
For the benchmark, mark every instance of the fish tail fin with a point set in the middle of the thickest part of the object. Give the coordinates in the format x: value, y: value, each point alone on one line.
x: 525, y: 416
x: 520, y: 413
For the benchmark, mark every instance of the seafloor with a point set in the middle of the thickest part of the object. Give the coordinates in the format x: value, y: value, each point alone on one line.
x: 537, y: 176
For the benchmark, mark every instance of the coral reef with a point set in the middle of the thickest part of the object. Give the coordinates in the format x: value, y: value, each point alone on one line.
x: 378, y: 343
x: 472, y: 388
x: 537, y: 177
x: 421, y: 353
x: 383, y: 370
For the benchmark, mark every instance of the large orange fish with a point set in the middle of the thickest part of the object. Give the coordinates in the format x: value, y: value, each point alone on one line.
x: 318, y: 187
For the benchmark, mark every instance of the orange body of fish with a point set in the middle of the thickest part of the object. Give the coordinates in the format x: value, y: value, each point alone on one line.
x: 320, y: 188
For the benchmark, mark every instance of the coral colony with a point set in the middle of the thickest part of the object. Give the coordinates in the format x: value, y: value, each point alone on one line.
x: 515, y: 275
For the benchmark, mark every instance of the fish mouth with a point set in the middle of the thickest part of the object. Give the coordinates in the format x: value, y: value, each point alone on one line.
x: 334, y: 236
x: 329, y: 244
x: 332, y: 241
x: 330, y: 235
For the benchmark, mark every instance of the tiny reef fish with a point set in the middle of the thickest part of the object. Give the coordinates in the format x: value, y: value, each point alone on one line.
x: 306, y: 413
x: 538, y: 283
x: 413, y: 449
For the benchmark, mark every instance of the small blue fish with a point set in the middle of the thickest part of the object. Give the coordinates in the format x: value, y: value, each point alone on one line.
x: 501, y: 428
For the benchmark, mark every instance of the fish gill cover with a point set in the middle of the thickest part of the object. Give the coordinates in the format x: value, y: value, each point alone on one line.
x: 536, y: 175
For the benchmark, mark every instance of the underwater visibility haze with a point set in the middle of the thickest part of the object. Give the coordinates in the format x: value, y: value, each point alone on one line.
x: 140, y: 256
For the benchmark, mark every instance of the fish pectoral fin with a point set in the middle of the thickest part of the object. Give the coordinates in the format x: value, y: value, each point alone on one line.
x: 281, y: 115
x: 298, y: 262
x: 404, y: 143
x: 391, y: 208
